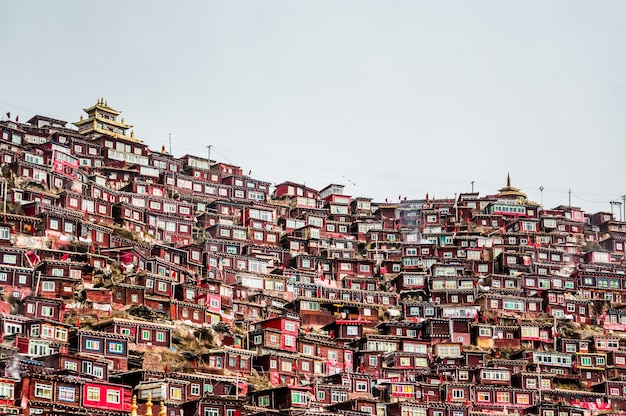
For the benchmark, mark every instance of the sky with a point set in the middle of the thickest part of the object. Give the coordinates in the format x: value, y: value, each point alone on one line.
x: 389, y: 98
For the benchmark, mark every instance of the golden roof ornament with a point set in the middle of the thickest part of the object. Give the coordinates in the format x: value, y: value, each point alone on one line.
x: 149, y: 405
x: 133, y: 406
x: 510, y: 191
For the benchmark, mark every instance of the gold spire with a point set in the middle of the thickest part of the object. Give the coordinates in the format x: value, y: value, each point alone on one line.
x: 510, y: 191
x: 162, y: 410
x: 133, y: 406
x: 149, y: 405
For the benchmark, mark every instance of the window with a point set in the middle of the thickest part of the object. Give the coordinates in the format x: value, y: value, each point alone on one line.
x: 289, y: 341
x: 93, y: 394
x: 211, y: 411
x: 176, y: 393
x: 484, y: 331
x: 66, y: 394
x: 352, y: 330
x: 361, y: 386
x: 47, y: 286
x: 92, y: 345
x: 61, y: 334
x: 264, y: 401
x: 502, y: 397
x: 298, y: 397
x: 47, y: 331
x: 338, y: 396
x: 483, y: 396
x: 113, y: 396
x: 71, y: 365
x: 43, y: 390
x: 116, y: 347
x: 286, y: 366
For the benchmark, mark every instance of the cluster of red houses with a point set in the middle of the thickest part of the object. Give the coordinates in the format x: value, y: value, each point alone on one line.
x: 297, y: 300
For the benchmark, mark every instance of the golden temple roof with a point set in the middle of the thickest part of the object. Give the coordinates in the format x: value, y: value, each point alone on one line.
x: 510, y: 191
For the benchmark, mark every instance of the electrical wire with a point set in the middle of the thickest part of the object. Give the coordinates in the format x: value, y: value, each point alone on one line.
x: 591, y: 202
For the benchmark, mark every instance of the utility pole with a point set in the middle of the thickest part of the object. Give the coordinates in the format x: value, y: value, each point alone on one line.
x: 569, y: 194
x: 619, y: 210
x: 5, y: 191
x: 624, y: 206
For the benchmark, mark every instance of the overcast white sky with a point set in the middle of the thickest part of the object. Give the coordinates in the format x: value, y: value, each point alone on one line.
x: 386, y: 97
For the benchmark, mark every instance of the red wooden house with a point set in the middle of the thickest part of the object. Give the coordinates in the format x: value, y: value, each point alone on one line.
x: 276, y: 333
x: 124, y: 294
x: 84, y: 366
x: 8, y: 396
x: 292, y: 397
x: 138, y: 332
x: 37, y: 307
x: 191, y: 313
x: 214, y: 406
x: 106, y: 397
x: 344, y: 331
x: 591, y: 366
x: 108, y: 345
x: 427, y: 407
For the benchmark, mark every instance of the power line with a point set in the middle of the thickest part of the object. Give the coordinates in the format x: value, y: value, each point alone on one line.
x: 591, y: 202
